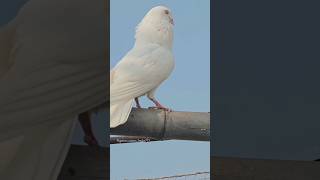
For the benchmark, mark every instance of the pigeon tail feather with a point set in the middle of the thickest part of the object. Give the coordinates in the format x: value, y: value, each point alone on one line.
x: 119, y: 112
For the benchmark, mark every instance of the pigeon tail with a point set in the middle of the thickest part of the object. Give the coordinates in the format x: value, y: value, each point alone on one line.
x: 119, y: 113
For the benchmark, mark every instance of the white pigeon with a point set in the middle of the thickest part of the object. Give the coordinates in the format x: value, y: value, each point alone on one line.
x: 144, y: 67
x: 52, y: 68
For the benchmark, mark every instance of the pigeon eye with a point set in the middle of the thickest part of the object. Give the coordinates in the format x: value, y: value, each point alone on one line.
x: 166, y: 11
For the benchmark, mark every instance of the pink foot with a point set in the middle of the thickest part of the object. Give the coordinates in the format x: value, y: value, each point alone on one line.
x: 159, y: 106
x: 163, y: 108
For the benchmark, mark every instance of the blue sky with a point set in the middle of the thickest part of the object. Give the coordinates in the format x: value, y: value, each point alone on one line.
x: 187, y: 89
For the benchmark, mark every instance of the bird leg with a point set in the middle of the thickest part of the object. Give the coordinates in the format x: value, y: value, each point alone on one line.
x: 84, y: 119
x: 158, y: 105
x: 137, y: 102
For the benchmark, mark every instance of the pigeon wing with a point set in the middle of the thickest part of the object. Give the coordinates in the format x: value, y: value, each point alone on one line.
x: 140, y: 71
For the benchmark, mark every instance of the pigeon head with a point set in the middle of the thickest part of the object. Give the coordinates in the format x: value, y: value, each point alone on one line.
x: 160, y: 14
x: 156, y: 27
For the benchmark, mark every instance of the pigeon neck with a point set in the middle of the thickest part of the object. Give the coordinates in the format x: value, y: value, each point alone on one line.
x: 148, y: 32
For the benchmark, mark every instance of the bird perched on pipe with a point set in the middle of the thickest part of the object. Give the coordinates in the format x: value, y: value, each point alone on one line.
x: 141, y: 71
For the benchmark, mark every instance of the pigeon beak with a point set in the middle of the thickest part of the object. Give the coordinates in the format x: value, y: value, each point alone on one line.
x: 171, y: 21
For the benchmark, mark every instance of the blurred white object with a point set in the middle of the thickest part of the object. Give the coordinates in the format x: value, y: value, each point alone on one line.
x: 52, y: 68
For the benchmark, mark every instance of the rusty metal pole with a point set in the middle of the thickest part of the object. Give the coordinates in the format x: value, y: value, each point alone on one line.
x: 162, y: 125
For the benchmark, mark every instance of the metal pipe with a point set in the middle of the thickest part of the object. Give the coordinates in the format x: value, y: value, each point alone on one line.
x: 163, y: 125
x: 129, y: 139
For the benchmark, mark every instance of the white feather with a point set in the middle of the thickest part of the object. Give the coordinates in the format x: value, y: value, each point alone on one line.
x: 48, y: 77
x: 144, y: 67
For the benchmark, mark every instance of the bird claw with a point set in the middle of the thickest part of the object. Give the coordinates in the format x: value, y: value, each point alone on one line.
x: 163, y: 108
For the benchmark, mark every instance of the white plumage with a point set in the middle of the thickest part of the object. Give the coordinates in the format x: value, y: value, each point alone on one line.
x: 145, y: 66
x: 52, y: 68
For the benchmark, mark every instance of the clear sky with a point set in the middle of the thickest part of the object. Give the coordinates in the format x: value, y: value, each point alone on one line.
x: 187, y: 89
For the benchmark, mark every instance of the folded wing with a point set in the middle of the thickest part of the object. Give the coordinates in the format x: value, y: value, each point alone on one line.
x: 140, y: 71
